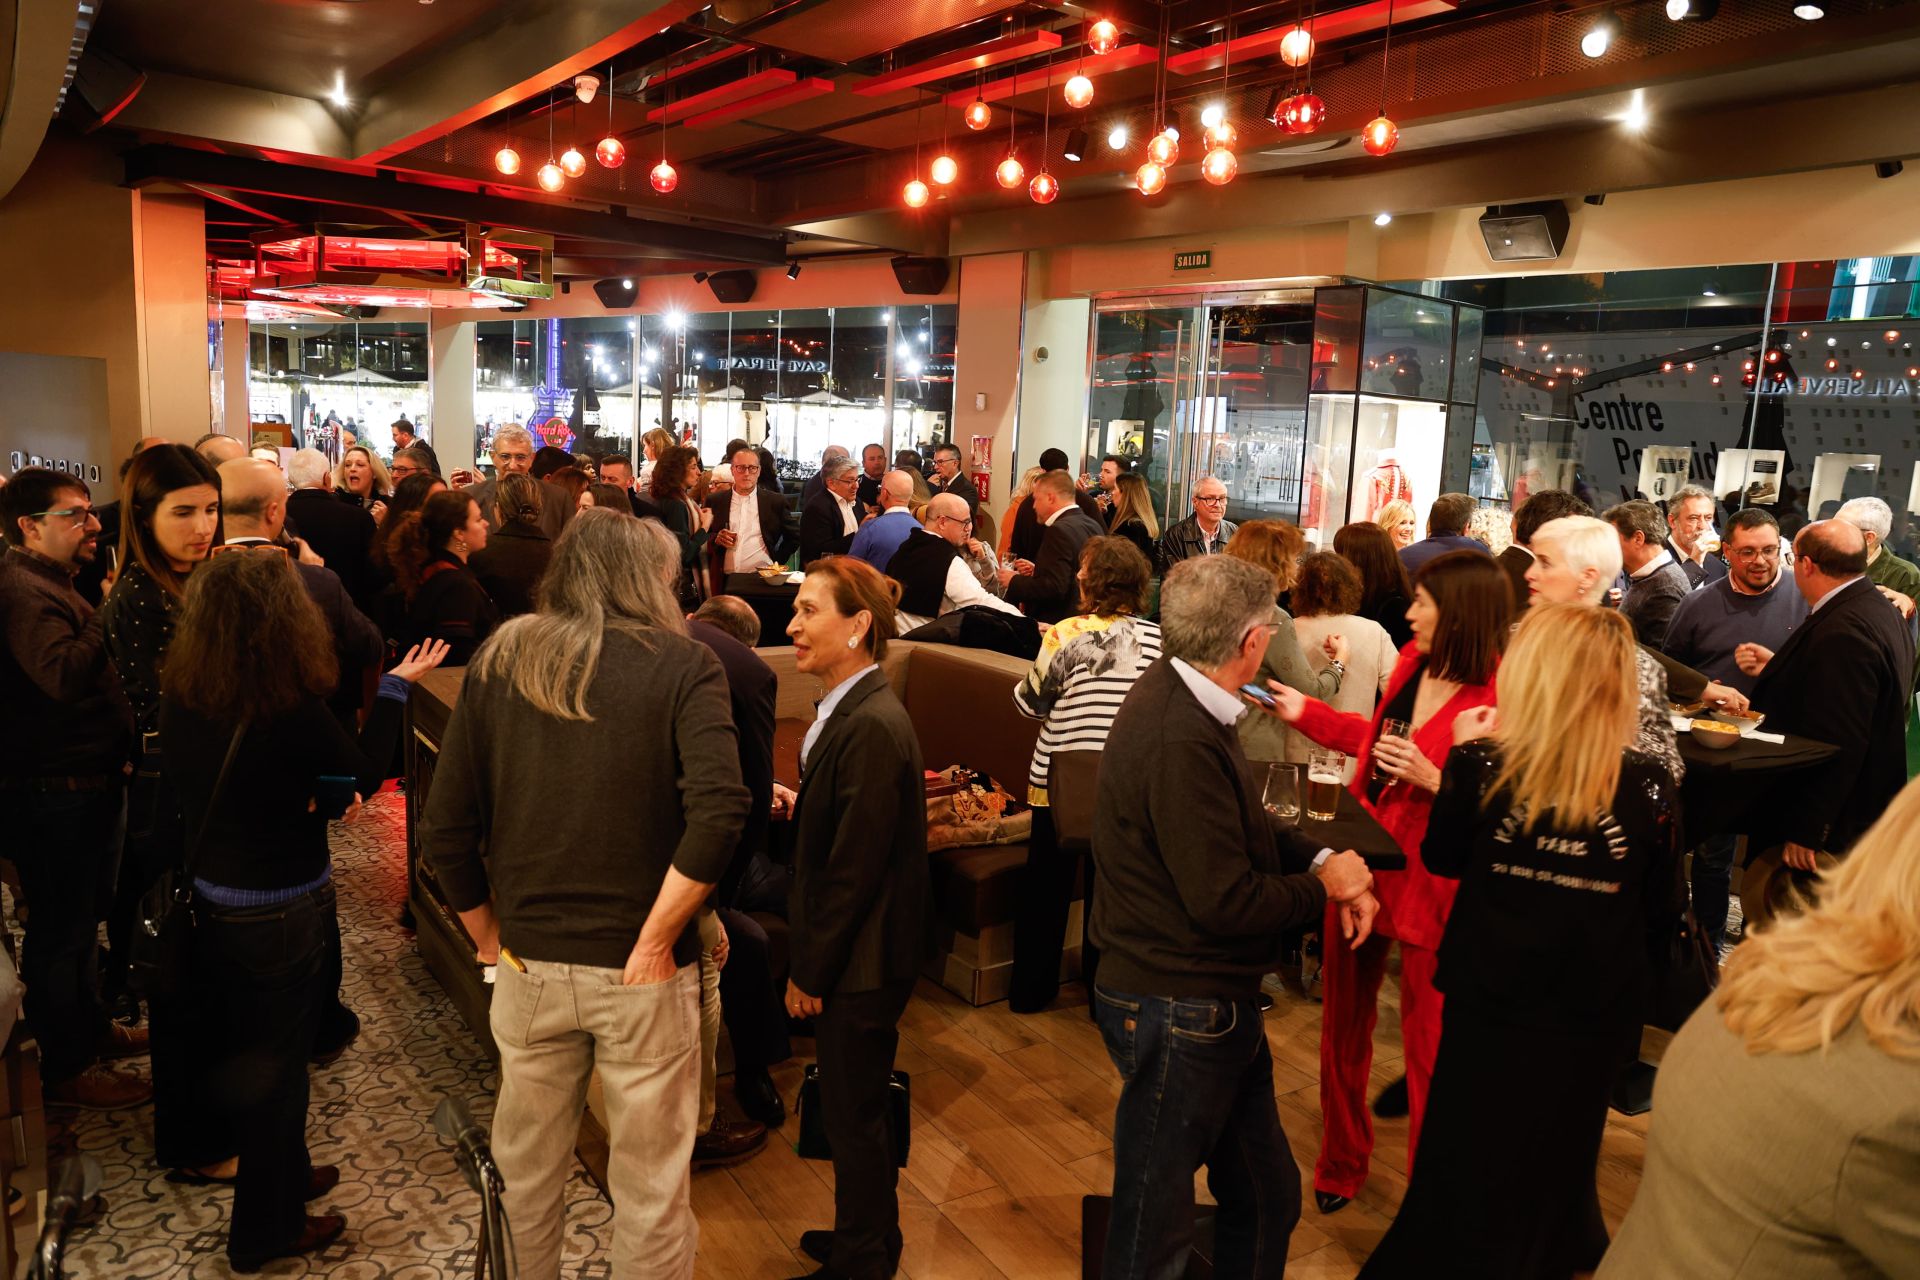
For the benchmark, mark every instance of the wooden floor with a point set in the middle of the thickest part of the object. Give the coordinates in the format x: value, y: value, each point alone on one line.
x: 1012, y: 1124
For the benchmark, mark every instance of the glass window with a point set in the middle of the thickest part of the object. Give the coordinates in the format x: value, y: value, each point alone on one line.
x: 330, y: 383
x: 1408, y: 342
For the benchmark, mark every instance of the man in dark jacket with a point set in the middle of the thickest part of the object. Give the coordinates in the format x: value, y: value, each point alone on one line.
x: 1541, y: 506
x: 340, y: 534
x: 1051, y: 590
x: 751, y: 525
x: 1843, y: 677
x: 65, y: 737
x: 617, y: 469
x: 1446, y: 531
x: 1689, y: 518
x: 1655, y: 582
x: 832, y: 516
x: 948, y: 477
x: 817, y: 482
x: 1204, y: 533
x: 1192, y: 898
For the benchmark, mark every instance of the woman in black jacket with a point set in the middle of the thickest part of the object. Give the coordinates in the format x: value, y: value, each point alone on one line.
x: 1565, y: 841
x: 858, y: 907
x: 262, y: 878
x: 518, y: 550
x: 444, y: 600
x: 674, y: 477
x: 1385, y: 593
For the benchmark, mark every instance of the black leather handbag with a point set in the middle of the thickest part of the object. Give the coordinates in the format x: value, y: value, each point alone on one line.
x: 163, y: 926
x: 813, y: 1144
x: 1685, y: 976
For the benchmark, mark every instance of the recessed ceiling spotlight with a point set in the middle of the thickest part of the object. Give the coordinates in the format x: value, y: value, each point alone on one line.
x: 1693, y: 10
x: 626, y: 282
x: 1382, y: 219
x: 338, y: 95
x: 1076, y: 148
x: 1809, y: 11
x: 1635, y: 116
x: 1117, y: 138
x: 1212, y: 115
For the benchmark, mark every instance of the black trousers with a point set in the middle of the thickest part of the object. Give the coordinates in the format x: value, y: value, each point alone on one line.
x: 749, y: 1005
x: 65, y: 847
x: 856, y: 1036
x: 1040, y: 921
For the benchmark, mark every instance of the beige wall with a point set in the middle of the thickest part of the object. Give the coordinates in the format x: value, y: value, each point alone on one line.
x: 987, y: 361
x: 1053, y: 392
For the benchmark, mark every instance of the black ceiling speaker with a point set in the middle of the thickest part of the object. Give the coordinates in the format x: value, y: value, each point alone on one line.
x: 921, y: 275
x: 103, y: 85
x: 1887, y: 168
x: 617, y: 291
x: 732, y: 286
x: 1525, y: 232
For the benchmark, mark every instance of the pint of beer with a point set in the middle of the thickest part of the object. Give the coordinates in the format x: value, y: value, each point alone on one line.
x: 1324, y: 770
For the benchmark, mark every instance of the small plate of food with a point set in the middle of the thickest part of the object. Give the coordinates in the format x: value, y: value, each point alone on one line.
x: 1713, y: 734
x: 1745, y: 721
x: 1688, y: 709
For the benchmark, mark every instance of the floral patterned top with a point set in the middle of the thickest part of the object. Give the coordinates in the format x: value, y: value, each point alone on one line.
x: 1084, y: 670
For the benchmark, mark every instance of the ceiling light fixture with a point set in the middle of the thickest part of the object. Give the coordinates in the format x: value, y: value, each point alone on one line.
x: 1079, y: 91
x: 793, y: 271
x: 1809, y: 11
x: 944, y: 170
x: 506, y: 159
x: 1103, y: 37
x: 338, y: 94
x: 1382, y: 219
x: 916, y: 194
x: 610, y: 151
x: 1010, y: 173
x: 1599, y: 36
x: 1693, y: 10
x: 1077, y: 144
x: 663, y: 177
x: 1296, y: 47
x: 1381, y: 134
x: 1150, y: 178
x: 550, y: 177
x: 1117, y: 138
x: 1044, y: 188
x: 572, y: 162
x: 1219, y: 165
x: 1635, y: 116
x: 978, y: 114
x: 1212, y: 114
x: 585, y: 85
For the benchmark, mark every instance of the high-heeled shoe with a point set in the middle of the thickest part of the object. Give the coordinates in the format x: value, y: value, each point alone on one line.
x: 317, y: 1234
x: 1330, y: 1202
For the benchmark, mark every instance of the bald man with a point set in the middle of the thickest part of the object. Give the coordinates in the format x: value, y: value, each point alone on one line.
x: 218, y: 449
x: 934, y: 578
x: 1843, y: 677
x: 880, y: 537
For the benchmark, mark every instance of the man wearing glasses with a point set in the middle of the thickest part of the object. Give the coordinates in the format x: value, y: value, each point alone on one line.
x: 751, y: 525
x: 414, y: 460
x: 934, y: 577
x: 65, y: 737
x: 1205, y: 532
x: 947, y: 478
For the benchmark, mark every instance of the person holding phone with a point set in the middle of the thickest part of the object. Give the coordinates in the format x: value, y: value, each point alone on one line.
x: 263, y: 934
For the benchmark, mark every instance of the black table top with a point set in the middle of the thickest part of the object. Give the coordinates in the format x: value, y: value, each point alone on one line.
x: 749, y: 585
x: 1751, y: 756
x: 1354, y: 828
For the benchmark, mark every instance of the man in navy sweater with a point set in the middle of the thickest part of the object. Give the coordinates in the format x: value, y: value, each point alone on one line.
x: 1446, y: 531
x: 1756, y: 603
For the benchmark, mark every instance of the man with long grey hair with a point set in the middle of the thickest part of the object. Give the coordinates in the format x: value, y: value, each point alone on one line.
x: 588, y: 912
x: 1193, y: 894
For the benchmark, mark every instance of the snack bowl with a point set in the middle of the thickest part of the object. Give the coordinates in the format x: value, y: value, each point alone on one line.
x: 1688, y: 709
x: 1714, y: 735
x: 1745, y: 721
x: 771, y: 572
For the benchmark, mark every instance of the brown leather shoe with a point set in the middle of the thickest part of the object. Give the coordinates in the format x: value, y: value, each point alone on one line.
x: 728, y: 1142
x: 318, y: 1234
x: 100, y: 1088
x: 123, y: 1041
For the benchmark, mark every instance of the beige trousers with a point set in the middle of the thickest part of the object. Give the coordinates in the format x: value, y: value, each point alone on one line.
x: 709, y: 1018
x: 556, y: 1025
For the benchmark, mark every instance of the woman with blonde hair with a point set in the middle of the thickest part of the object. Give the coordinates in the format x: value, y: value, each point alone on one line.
x: 1398, y: 521
x: 1565, y: 841
x: 1021, y: 492
x: 361, y: 480
x: 1275, y: 546
x: 1131, y: 516
x: 1787, y: 1141
x: 652, y: 444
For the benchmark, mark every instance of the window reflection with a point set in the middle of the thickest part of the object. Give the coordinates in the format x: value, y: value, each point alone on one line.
x: 326, y: 384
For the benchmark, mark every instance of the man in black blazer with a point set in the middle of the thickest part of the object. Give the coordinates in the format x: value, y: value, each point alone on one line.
x: 340, y: 534
x: 1843, y: 677
x: 751, y: 526
x: 1541, y: 506
x: 617, y: 468
x: 1052, y: 590
x: 832, y: 516
x: 947, y: 477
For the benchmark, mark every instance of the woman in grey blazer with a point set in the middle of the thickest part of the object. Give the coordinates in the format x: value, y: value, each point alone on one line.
x: 1786, y: 1126
x: 859, y: 905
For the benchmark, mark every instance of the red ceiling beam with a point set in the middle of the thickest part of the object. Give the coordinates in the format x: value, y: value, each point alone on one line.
x: 812, y: 87
x: 679, y: 69
x: 960, y: 61
x: 1122, y: 59
x: 1342, y: 24
x: 732, y: 91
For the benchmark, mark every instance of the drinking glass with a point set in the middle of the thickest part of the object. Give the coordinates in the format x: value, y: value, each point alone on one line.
x: 1324, y: 769
x: 1390, y: 729
x: 1282, y: 795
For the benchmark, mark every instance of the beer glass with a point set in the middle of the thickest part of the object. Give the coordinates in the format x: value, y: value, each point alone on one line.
x: 1324, y: 767
x: 1282, y: 795
x: 1389, y: 728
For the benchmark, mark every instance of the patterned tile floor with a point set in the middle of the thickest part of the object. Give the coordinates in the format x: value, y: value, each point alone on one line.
x: 410, y: 1216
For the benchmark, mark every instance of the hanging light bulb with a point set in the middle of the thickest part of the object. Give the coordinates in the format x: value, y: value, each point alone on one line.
x: 664, y: 177
x: 979, y: 115
x: 1380, y: 136
x: 1103, y: 37
x: 1212, y: 114
x: 944, y: 170
x: 1303, y: 113
x: 573, y: 162
x: 550, y: 177
x: 916, y: 194
x: 1043, y: 188
x: 507, y: 160
x: 1222, y: 134
x: 611, y: 152
x: 1163, y: 149
x: 1151, y: 178
x: 1117, y: 138
x: 1079, y: 91
x: 1219, y: 166
x: 1010, y: 173
x: 1296, y: 47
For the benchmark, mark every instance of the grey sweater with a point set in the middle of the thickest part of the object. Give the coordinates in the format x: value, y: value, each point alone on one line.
x: 572, y: 882
x: 1715, y: 620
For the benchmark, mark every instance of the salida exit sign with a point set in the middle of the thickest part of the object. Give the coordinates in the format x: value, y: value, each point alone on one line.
x: 1192, y: 259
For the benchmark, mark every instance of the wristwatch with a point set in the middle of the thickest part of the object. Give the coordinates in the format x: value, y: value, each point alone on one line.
x: 1338, y: 667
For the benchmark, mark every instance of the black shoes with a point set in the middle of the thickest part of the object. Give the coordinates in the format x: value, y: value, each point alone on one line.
x: 318, y: 1234
x: 340, y: 1027
x: 1329, y: 1202
x: 1391, y: 1103
x: 818, y: 1245
x: 753, y: 1089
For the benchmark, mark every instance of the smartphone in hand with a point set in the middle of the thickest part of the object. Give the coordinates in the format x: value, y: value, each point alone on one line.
x: 1262, y: 696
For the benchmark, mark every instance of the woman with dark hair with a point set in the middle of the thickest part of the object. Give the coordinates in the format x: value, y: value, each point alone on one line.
x: 769, y: 469
x: 262, y: 882
x: 509, y: 567
x: 444, y: 599
x: 571, y: 482
x: 409, y: 495
x: 676, y: 473
x: 859, y: 901
x: 1385, y: 592
x: 361, y: 480
x: 1326, y: 601
x: 1086, y: 665
x: 1275, y: 546
x: 1461, y: 613
x: 602, y: 493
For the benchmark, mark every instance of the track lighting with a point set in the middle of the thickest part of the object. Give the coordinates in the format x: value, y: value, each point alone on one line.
x: 1076, y: 148
x: 793, y: 271
x: 1599, y: 37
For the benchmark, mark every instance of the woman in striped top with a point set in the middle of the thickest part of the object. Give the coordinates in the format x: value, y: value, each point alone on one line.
x: 1087, y: 665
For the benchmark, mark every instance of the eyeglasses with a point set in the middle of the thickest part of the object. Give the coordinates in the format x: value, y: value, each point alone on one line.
x: 965, y: 522
x: 1751, y: 553
x: 273, y: 547
x: 1211, y: 499
x: 75, y: 516
x: 743, y: 469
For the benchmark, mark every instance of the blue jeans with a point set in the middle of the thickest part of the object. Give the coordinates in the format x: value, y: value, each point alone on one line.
x: 1197, y: 1090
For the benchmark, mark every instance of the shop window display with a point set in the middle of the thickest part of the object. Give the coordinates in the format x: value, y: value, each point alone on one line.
x: 324, y: 384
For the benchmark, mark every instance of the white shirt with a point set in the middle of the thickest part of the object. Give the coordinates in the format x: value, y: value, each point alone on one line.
x: 743, y: 517
x: 825, y: 708
x: 848, y: 520
x: 1048, y: 522
x: 1664, y: 557
x: 961, y: 590
x: 1815, y: 606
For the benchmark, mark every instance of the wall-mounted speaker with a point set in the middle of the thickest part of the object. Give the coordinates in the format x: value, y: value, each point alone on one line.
x: 921, y: 275
x: 616, y: 292
x: 1525, y: 232
x: 732, y: 286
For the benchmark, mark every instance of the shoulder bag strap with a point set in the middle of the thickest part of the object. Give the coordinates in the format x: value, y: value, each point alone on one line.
x: 213, y: 802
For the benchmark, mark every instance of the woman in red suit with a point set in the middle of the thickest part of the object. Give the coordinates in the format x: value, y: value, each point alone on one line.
x: 1462, y: 608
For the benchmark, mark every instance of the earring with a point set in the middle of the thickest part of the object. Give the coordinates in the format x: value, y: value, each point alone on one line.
x: 853, y: 642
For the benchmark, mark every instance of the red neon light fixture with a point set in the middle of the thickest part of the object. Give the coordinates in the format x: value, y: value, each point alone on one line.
x: 1103, y: 37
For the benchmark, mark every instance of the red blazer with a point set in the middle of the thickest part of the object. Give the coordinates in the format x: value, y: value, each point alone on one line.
x: 1413, y: 903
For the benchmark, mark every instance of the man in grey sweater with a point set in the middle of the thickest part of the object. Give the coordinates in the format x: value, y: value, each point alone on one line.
x: 1756, y: 603
x: 1655, y: 582
x: 1193, y: 894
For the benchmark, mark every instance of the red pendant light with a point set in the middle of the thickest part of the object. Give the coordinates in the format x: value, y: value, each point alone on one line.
x: 550, y: 177
x: 664, y: 177
x: 916, y: 194
x: 1296, y: 47
x: 1303, y: 113
x: 572, y: 162
x: 507, y: 160
x: 1044, y: 187
x: 1150, y: 178
x: 978, y: 115
x: 610, y: 151
x: 1010, y: 173
x: 1219, y: 166
x: 1381, y: 134
x: 1079, y: 91
x: 943, y: 170
x: 1222, y: 134
x: 1103, y: 37
x: 1163, y: 149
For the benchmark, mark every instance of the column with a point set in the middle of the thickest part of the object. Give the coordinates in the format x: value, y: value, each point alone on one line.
x: 987, y: 365
x: 1053, y: 383
x: 234, y: 356
x: 450, y: 359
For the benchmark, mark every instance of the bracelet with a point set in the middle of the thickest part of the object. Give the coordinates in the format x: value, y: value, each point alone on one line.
x: 1338, y: 667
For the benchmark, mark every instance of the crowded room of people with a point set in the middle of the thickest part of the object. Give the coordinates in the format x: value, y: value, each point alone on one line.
x: 999, y: 641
